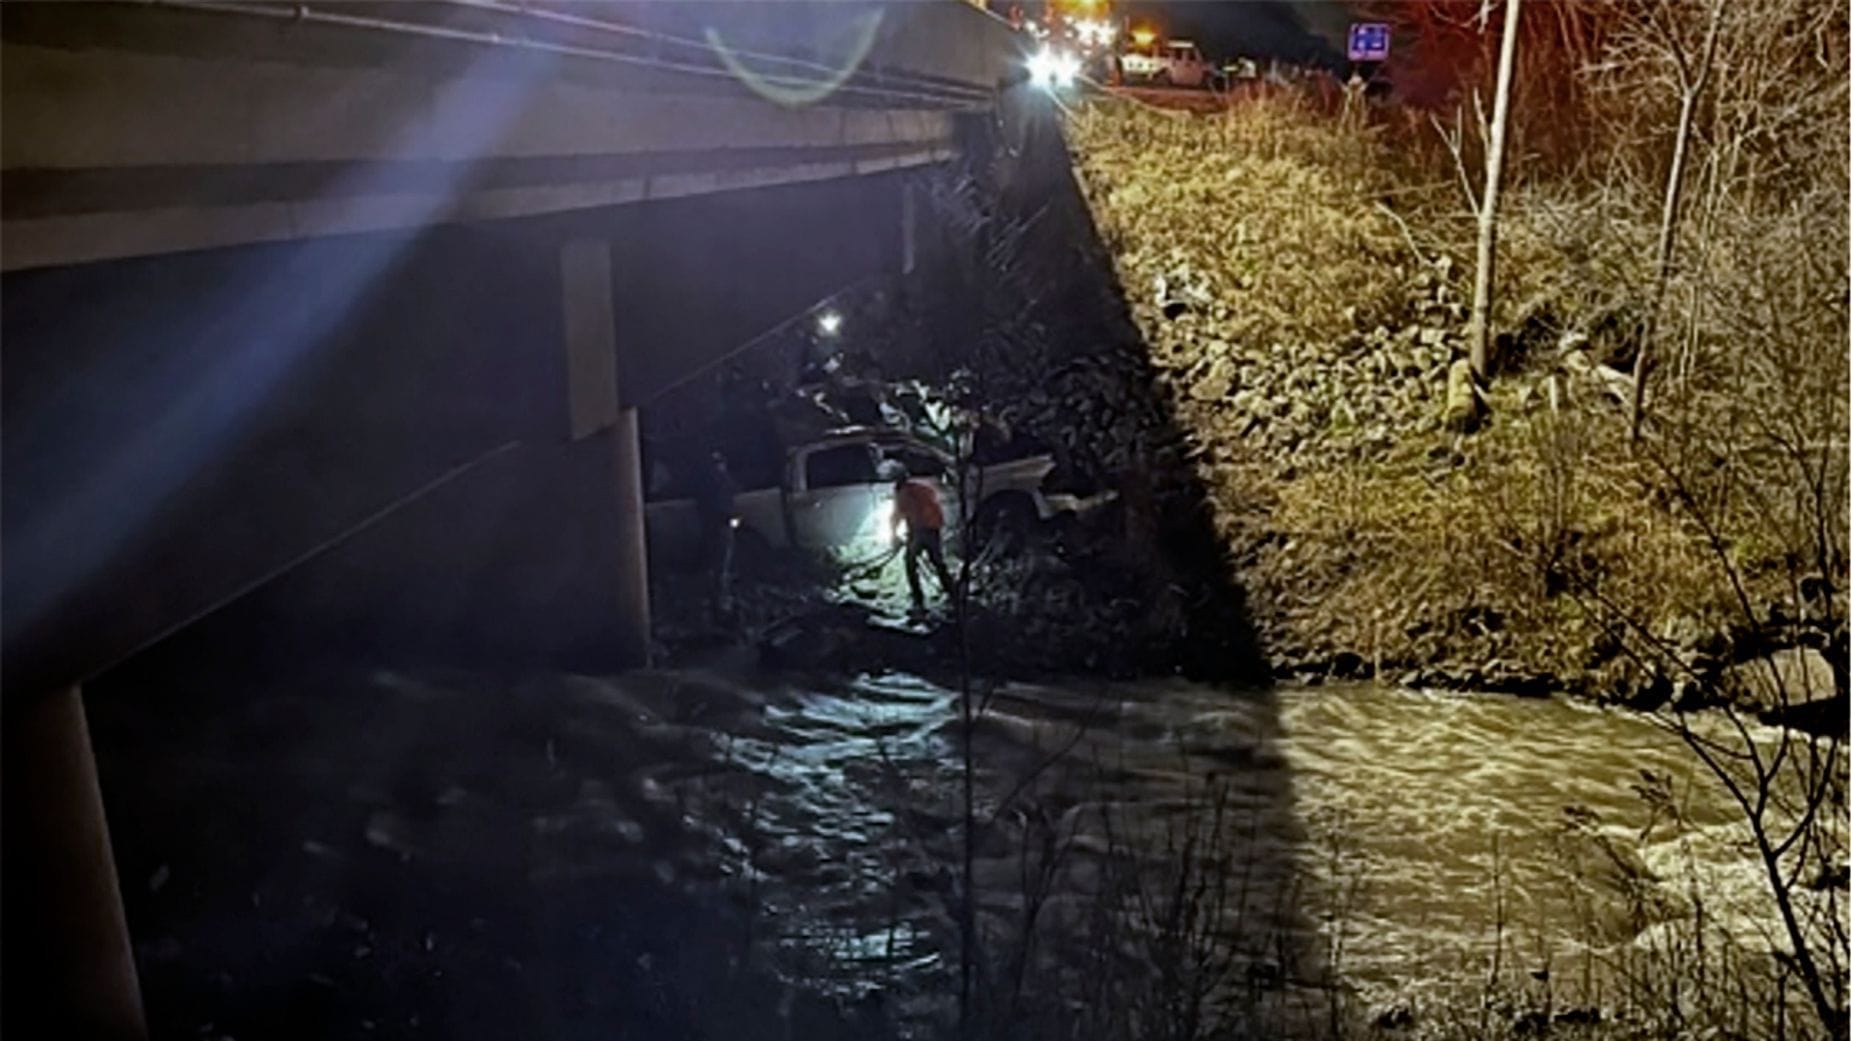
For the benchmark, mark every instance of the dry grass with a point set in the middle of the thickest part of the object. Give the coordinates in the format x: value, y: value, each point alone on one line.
x: 1305, y: 326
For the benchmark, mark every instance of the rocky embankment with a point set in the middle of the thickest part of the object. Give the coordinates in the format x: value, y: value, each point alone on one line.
x: 1304, y: 303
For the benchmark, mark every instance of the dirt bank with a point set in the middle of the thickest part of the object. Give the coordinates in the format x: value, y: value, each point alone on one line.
x: 1302, y: 282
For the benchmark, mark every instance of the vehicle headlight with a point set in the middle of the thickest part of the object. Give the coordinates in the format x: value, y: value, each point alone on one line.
x: 1053, y: 70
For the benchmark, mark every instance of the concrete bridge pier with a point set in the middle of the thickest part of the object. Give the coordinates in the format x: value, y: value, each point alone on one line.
x: 633, y: 625
x: 909, y: 228
x: 69, y: 965
x: 590, y: 325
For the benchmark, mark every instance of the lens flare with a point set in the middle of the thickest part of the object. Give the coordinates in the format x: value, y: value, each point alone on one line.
x: 1053, y: 70
x: 1095, y: 32
x: 798, y: 91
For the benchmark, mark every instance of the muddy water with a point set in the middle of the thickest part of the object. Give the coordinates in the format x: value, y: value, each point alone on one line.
x: 1450, y: 813
x: 548, y: 853
x: 1396, y: 840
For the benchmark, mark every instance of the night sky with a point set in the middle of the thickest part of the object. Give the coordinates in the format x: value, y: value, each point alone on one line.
x: 1305, y: 31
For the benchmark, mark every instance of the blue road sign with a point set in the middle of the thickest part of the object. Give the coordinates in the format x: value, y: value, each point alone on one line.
x: 1368, y: 41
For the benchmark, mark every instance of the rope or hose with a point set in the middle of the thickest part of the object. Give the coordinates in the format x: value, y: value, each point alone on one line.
x: 873, y: 565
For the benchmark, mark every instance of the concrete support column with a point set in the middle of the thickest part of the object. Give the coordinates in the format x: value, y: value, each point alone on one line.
x: 591, y: 376
x: 632, y: 542
x: 67, y: 953
x: 909, y: 229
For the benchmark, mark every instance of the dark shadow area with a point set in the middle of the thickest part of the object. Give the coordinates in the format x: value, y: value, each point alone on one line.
x: 366, y: 436
x: 1070, y: 367
x: 334, y: 852
x: 325, y: 852
x: 1013, y: 319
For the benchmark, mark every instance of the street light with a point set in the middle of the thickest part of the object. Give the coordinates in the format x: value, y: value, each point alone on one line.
x: 829, y: 323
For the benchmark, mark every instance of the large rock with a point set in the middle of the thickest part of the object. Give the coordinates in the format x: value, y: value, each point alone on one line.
x: 1464, y: 408
x: 1214, y: 383
x: 1784, y: 679
x: 1692, y: 638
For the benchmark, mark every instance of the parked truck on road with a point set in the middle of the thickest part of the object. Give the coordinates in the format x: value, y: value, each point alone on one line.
x: 1170, y: 63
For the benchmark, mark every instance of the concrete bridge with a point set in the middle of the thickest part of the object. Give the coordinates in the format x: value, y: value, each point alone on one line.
x: 305, y: 304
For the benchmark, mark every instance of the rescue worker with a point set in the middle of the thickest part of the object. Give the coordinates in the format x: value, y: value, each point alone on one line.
x: 915, y: 504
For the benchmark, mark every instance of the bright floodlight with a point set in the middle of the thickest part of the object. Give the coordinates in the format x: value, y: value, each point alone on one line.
x: 829, y: 323
x: 1053, y: 70
x: 1096, y: 32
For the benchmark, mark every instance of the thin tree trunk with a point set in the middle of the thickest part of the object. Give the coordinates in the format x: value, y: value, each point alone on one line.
x: 1487, y: 214
x: 1668, y: 217
x: 960, y: 597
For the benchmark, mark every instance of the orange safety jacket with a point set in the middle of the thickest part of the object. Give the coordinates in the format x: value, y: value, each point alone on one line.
x: 916, y: 503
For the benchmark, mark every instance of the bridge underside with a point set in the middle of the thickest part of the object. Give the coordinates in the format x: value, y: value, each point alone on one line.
x: 401, y: 408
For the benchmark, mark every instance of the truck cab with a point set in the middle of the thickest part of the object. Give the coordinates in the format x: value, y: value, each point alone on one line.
x: 1169, y: 63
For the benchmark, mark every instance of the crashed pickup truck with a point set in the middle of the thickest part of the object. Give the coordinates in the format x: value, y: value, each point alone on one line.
x: 832, y: 498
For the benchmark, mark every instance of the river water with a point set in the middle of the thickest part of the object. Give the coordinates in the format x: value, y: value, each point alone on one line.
x: 1381, y: 845
x: 1402, y: 842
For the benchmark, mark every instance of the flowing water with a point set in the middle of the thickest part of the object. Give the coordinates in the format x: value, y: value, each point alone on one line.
x: 1399, y: 839
x: 1386, y: 841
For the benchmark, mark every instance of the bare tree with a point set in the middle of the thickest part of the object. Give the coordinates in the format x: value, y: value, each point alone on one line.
x: 1727, y: 128
x: 1480, y: 335
x: 1692, y: 76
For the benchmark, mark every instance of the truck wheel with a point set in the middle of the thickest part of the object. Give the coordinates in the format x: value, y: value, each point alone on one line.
x: 1162, y: 78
